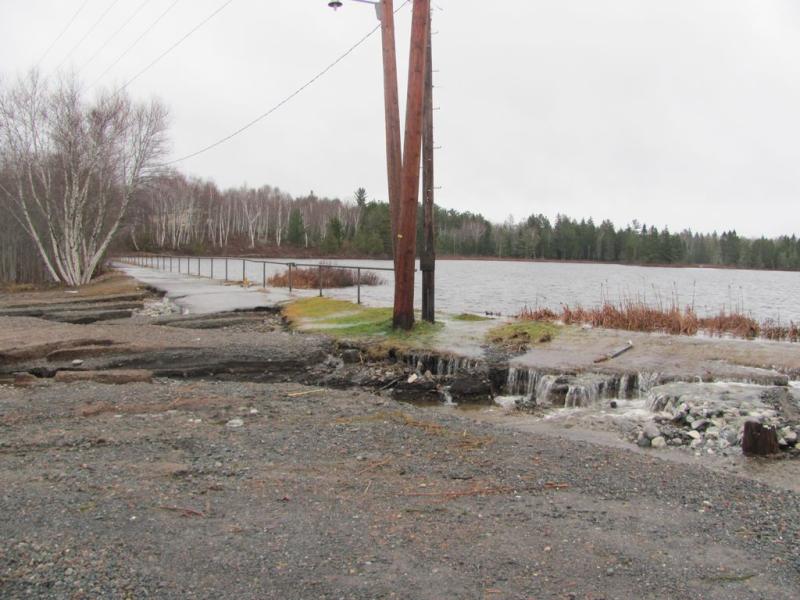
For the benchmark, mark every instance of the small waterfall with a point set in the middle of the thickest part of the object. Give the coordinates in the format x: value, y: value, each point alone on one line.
x: 448, y: 397
x: 587, y: 392
x: 533, y: 380
x: 576, y: 397
x: 511, y: 382
x: 522, y: 382
x: 544, y: 389
x: 624, y: 384
x: 646, y: 382
x: 659, y: 401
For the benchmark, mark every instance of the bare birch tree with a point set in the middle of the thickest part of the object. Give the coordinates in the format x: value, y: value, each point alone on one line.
x: 75, y: 166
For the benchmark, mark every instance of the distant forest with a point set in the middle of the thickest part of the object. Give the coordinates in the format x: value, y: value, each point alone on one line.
x: 193, y: 216
x: 81, y: 179
x: 177, y: 214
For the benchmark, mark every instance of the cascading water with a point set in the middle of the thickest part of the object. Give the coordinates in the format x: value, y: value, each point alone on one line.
x: 622, y: 388
x: 522, y: 382
x: 544, y: 389
x: 646, y: 382
x: 537, y: 389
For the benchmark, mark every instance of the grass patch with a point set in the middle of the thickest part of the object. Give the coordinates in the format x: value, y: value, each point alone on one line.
x: 521, y: 335
x: 470, y: 317
x: 342, y: 319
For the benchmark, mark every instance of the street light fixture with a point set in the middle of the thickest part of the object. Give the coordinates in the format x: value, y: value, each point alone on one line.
x: 336, y: 4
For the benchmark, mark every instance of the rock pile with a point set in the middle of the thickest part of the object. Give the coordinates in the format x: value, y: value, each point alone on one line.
x: 158, y: 308
x: 710, y: 418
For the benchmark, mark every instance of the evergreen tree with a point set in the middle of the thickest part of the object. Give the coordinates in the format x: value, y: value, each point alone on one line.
x: 296, y: 231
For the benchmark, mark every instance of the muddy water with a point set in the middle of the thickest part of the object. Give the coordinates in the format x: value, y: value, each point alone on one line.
x: 507, y: 286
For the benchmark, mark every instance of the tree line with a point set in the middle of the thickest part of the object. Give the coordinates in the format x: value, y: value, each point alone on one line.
x: 468, y: 234
x: 192, y: 215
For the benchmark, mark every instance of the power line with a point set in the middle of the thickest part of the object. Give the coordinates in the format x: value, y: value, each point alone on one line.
x: 63, y: 31
x: 291, y: 96
x: 85, y: 35
x: 115, y: 34
x: 176, y: 44
x: 135, y: 42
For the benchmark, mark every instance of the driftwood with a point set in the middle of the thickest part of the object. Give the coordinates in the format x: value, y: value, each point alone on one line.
x: 613, y: 355
x: 759, y: 440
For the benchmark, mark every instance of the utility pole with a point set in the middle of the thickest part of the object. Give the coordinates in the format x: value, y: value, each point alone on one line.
x: 427, y: 255
x: 403, y: 162
x: 394, y: 157
x: 406, y: 242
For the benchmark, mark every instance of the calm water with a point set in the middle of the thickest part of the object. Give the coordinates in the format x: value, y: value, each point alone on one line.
x: 506, y: 287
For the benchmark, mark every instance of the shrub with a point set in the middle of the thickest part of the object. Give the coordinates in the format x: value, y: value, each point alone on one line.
x: 332, y: 277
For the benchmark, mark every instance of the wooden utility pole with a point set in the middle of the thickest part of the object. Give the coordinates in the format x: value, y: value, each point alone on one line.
x: 394, y: 157
x: 406, y: 237
x: 427, y: 255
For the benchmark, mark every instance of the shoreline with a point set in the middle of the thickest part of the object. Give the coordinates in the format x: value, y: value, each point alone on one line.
x: 302, y: 254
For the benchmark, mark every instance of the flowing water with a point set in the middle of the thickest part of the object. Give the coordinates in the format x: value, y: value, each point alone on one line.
x: 505, y: 287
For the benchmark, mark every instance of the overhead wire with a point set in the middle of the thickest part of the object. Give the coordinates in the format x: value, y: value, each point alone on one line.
x: 115, y: 34
x: 175, y: 45
x: 63, y: 31
x: 288, y: 98
x: 135, y: 42
x: 87, y: 34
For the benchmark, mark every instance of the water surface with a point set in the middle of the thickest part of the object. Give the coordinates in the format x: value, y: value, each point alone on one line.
x: 507, y: 286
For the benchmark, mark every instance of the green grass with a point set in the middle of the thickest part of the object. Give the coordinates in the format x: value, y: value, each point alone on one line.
x: 342, y: 319
x: 470, y: 317
x: 525, y: 332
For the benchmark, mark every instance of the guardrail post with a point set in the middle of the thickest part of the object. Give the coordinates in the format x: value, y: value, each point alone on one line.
x: 170, y: 264
x: 226, y: 268
x: 320, y: 281
x: 264, y: 274
x: 244, y: 271
x: 212, y: 267
x: 290, y: 277
x: 358, y: 283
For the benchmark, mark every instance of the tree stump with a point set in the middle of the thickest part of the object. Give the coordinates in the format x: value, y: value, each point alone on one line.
x: 759, y: 440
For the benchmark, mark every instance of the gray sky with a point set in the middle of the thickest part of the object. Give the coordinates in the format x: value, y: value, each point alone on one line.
x: 676, y: 112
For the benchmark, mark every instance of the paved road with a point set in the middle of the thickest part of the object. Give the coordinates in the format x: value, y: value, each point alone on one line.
x: 195, y: 295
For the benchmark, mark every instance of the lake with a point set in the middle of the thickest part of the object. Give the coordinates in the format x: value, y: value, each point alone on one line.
x: 507, y: 286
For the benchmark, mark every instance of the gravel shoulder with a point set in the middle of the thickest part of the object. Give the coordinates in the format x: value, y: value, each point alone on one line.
x: 246, y: 490
x: 236, y: 481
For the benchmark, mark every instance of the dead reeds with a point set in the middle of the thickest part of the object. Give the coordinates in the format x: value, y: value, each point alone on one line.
x: 636, y: 315
x: 308, y: 278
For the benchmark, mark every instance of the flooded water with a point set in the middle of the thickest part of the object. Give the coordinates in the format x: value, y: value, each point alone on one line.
x: 507, y: 286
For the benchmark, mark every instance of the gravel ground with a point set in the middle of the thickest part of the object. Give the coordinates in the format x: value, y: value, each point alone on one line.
x: 245, y: 490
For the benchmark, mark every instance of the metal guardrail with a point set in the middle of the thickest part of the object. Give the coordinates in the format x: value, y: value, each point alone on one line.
x: 165, y: 262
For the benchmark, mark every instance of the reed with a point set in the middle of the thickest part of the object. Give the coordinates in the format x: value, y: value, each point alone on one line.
x: 309, y: 278
x: 636, y: 315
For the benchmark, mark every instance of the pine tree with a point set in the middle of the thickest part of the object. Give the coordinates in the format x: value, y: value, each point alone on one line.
x: 296, y: 230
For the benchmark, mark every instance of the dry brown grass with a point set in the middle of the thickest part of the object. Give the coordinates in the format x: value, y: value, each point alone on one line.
x: 309, y: 278
x: 638, y: 316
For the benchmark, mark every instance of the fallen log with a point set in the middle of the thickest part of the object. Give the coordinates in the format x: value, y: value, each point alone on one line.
x: 613, y: 355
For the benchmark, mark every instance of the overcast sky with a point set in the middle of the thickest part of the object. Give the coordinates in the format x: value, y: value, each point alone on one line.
x: 683, y: 113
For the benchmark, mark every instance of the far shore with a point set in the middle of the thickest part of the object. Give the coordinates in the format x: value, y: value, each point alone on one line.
x: 273, y: 253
